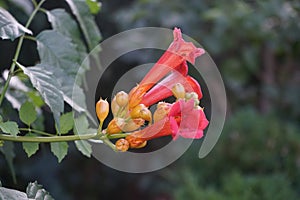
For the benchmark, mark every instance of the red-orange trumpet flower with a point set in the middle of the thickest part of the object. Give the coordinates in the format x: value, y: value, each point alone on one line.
x: 178, y: 52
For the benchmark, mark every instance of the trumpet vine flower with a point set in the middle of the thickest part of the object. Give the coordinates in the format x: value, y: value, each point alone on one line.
x: 135, y: 124
x: 178, y: 52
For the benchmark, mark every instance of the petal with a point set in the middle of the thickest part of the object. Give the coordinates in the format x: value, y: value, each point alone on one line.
x: 203, y: 122
x: 192, y: 122
x: 192, y: 83
x: 156, y: 130
x: 185, y: 49
x: 175, y: 109
x: 174, y: 127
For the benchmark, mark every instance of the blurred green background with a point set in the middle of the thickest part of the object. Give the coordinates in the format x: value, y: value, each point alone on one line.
x: 256, y: 46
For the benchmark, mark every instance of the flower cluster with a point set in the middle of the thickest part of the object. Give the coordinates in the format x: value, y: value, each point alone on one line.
x: 133, y: 119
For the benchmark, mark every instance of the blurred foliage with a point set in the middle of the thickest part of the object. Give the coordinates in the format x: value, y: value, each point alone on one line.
x: 257, y: 157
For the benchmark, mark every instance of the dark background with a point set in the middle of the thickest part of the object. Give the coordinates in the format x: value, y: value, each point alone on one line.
x: 256, y: 46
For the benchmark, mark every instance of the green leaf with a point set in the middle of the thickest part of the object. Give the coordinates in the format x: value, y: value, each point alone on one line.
x: 84, y: 147
x: 9, y: 27
x: 9, y: 194
x: 30, y: 147
x: 86, y: 21
x: 36, y: 191
x: 72, y: 93
x: 94, y: 6
x: 28, y: 113
x: 59, y: 149
x: 39, y: 123
x: 47, y: 86
x: 62, y: 54
x: 36, y: 98
x: 63, y: 23
x: 8, y: 151
x: 63, y: 61
x: 10, y: 128
x: 1, y: 119
x: 66, y: 122
x: 81, y: 125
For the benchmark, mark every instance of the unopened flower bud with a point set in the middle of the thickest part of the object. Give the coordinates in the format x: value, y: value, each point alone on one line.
x: 141, y: 111
x: 115, y: 125
x: 122, y: 98
x: 142, y: 145
x: 191, y: 95
x: 135, y: 142
x: 115, y: 107
x: 178, y: 91
x: 133, y: 124
x: 102, y: 109
x: 122, y: 145
x: 161, y: 111
x: 196, y: 102
x: 135, y: 96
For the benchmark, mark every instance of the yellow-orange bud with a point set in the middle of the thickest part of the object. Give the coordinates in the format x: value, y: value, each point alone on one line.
x: 102, y: 109
x: 142, y: 145
x: 114, y: 126
x: 161, y: 111
x: 122, y: 145
x: 135, y: 96
x: 122, y: 98
x: 191, y: 95
x: 135, y: 142
x: 178, y: 91
x: 133, y: 124
x: 141, y: 111
x: 115, y: 107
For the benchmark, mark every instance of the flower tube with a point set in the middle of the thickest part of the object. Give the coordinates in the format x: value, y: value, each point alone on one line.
x: 163, y: 89
x: 178, y: 52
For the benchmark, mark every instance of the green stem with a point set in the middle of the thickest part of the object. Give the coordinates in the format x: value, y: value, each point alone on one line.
x: 35, y: 131
x: 110, y: 144
x: 13, y: 65
x: 29, y: 37
x: 66, y: 138
x: 118, y: 135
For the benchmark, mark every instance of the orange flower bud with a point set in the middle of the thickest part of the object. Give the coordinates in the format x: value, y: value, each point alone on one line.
x: 122, y: 98
x: 102, y: 109
x: 122, y: 145
x: 178, y: 91
x: 136, y: 94
x: 161, y: 111
x: 133, y: 124
x: 142, y: 145
x: 141, y: 111
x: 135, y: 142
x: 115, y: 107
x: 115, y: 125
